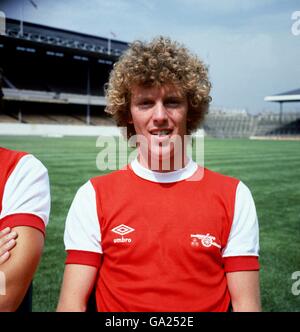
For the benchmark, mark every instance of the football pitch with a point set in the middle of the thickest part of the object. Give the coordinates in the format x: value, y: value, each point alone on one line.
x: 271, y: 169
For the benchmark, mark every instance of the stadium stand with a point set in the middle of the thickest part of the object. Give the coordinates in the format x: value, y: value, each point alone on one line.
x: 52, y: 75
x: 292, y: 96
x: 270, y: 124
x: 224, y: 123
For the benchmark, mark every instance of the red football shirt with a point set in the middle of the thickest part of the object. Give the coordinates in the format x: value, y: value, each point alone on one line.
x: 163, y: 242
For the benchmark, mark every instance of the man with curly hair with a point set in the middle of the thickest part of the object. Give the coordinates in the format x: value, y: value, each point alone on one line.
x: 163, y: 234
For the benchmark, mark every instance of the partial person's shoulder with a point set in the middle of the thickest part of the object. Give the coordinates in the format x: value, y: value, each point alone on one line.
x: 14, y: 158
x: 32, y: 162
x: 9, y: 158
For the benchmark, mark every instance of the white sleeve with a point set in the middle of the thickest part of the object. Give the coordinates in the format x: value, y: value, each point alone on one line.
x: 244, y: 234
x: 82, y: 230
x: 27, y: 190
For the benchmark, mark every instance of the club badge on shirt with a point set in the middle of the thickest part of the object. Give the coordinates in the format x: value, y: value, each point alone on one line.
x: 205, y: 240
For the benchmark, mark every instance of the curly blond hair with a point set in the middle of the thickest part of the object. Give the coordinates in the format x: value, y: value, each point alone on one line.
x: 161, y: 61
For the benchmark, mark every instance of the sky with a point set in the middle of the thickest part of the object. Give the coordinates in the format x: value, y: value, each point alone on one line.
x: 252, y: 47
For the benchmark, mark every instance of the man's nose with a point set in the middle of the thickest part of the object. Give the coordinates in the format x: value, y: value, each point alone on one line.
x: 160, y: 113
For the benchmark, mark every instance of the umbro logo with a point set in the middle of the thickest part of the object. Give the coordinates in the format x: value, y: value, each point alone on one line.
x: 122, y: 230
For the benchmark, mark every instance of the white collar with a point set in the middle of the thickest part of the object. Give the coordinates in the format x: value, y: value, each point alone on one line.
x: 164, y: 177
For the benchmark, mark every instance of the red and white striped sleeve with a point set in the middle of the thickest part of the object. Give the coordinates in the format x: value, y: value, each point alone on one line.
x: 242, y: 249
x: 26, y: 195
x: 82, y: 235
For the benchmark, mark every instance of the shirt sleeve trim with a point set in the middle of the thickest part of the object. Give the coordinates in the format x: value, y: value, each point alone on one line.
x: 23, y: 219
x: 83, y: 258
x: 241, y: 263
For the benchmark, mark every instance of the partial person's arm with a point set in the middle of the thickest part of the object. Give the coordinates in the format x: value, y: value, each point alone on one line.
x: 78, y: 283
x: 25, y: 210
x: 83, y: 245
x: 244, y: 291
x: 21, y: 266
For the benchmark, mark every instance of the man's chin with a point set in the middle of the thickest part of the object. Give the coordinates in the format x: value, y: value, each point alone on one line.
x: 161, y: 160
x: 161, y: 153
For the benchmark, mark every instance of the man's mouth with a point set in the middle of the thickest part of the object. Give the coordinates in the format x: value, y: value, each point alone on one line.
x: 161, y: 132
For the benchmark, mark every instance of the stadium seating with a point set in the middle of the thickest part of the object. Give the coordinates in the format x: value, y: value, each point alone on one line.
x: 97, y: 120
x: 4, y: 118
x: 227, y: 123
x: 270, y: 124
x: 66, y: 119
x: 231, y: 124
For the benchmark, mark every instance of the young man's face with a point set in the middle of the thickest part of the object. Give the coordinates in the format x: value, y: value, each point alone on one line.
x: 160, y: 115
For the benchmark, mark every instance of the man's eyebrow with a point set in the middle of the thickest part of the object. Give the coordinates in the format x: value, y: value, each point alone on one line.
x: 142, y: 97
x: 171, y: 96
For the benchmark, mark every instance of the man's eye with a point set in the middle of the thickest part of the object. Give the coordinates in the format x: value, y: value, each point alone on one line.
x: 172, y: 103
x: 145, y: 104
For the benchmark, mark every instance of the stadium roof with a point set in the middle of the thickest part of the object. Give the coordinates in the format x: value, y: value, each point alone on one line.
x: 289, y: 96
x: 47, y: 35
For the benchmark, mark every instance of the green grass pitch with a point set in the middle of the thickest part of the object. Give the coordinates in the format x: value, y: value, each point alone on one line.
x: 271, y: 169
